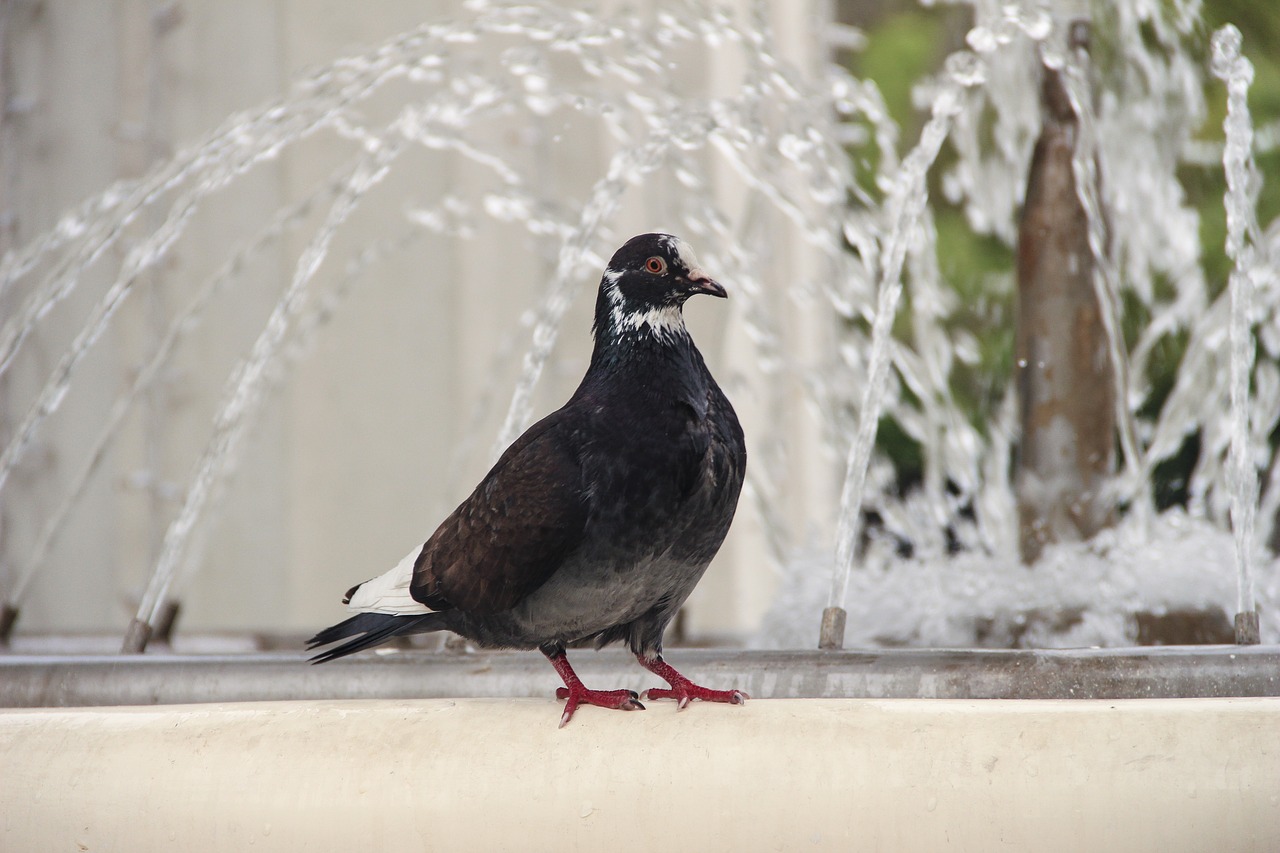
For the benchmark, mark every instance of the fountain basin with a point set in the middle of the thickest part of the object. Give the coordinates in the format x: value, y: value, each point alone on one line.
x: 494, y: 774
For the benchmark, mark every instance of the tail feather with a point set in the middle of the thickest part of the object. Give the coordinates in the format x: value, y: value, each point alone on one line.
x: 371, y: 629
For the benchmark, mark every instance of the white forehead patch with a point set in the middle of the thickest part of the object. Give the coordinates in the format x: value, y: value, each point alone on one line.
x: 683, y: 252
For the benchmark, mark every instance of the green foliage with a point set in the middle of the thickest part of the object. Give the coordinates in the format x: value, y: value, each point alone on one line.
x: 1259, y: 23
x: 905, y: 47
x: 905, y: 44
x: 980, y: 269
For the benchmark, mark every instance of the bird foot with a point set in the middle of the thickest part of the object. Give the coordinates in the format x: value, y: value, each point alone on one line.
x: 620, y: 700
x: 682, y: 689
x: 686, y: 692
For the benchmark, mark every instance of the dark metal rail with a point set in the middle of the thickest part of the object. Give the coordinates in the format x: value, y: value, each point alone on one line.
x: 1161, y: 672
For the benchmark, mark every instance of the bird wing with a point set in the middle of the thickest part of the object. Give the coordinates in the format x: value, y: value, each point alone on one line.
x: 513, y: 532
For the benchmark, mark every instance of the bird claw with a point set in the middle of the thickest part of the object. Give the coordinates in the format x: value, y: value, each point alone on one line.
x: 688, y: 691
x: 620, y: 700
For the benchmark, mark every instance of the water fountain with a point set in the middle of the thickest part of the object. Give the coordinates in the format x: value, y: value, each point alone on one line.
x: 513, y: 81
x: 779, y: 137
x: 792, y: 180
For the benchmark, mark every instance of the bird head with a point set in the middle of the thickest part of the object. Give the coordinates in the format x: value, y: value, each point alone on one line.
x: 645, y: 286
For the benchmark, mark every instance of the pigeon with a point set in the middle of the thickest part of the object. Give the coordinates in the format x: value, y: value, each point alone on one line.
x: 596, y: 524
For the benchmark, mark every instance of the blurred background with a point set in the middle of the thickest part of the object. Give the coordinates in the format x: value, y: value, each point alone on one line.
x: 280, y: 278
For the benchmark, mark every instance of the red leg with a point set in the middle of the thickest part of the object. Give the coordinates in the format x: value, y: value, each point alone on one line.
x: 576, y: 694
x: 682, y: 689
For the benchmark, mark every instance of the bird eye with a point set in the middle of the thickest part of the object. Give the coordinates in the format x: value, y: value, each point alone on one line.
x: 655, y: 265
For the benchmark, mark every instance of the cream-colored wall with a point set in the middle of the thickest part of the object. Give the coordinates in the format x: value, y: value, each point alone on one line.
x: 357, y: 456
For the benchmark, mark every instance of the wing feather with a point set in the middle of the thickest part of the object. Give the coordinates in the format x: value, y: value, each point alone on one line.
x: 513, y: 532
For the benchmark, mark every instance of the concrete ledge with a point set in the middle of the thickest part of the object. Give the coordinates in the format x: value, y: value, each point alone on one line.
x: 486, y: 775
x: 1134, y: 673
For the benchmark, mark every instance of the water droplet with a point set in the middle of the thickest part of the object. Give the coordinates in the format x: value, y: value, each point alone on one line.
x: 1037, y: 24
x: 981, y: 39
x: 1226, y: 49
x: 793, y: 147
x: 966, y: 68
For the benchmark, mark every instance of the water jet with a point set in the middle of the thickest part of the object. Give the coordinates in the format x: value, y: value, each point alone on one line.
x: 321, y: 264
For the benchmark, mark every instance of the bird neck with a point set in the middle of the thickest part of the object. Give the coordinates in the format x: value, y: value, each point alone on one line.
x: 652, y: 336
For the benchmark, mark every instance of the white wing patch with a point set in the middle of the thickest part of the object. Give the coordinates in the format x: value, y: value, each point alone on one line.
x: 389, y: 593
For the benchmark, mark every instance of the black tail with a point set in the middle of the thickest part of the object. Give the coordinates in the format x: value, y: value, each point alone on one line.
x: 369, y: 630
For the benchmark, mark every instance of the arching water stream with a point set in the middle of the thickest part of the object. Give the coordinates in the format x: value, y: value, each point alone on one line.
x: 807, y: 200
